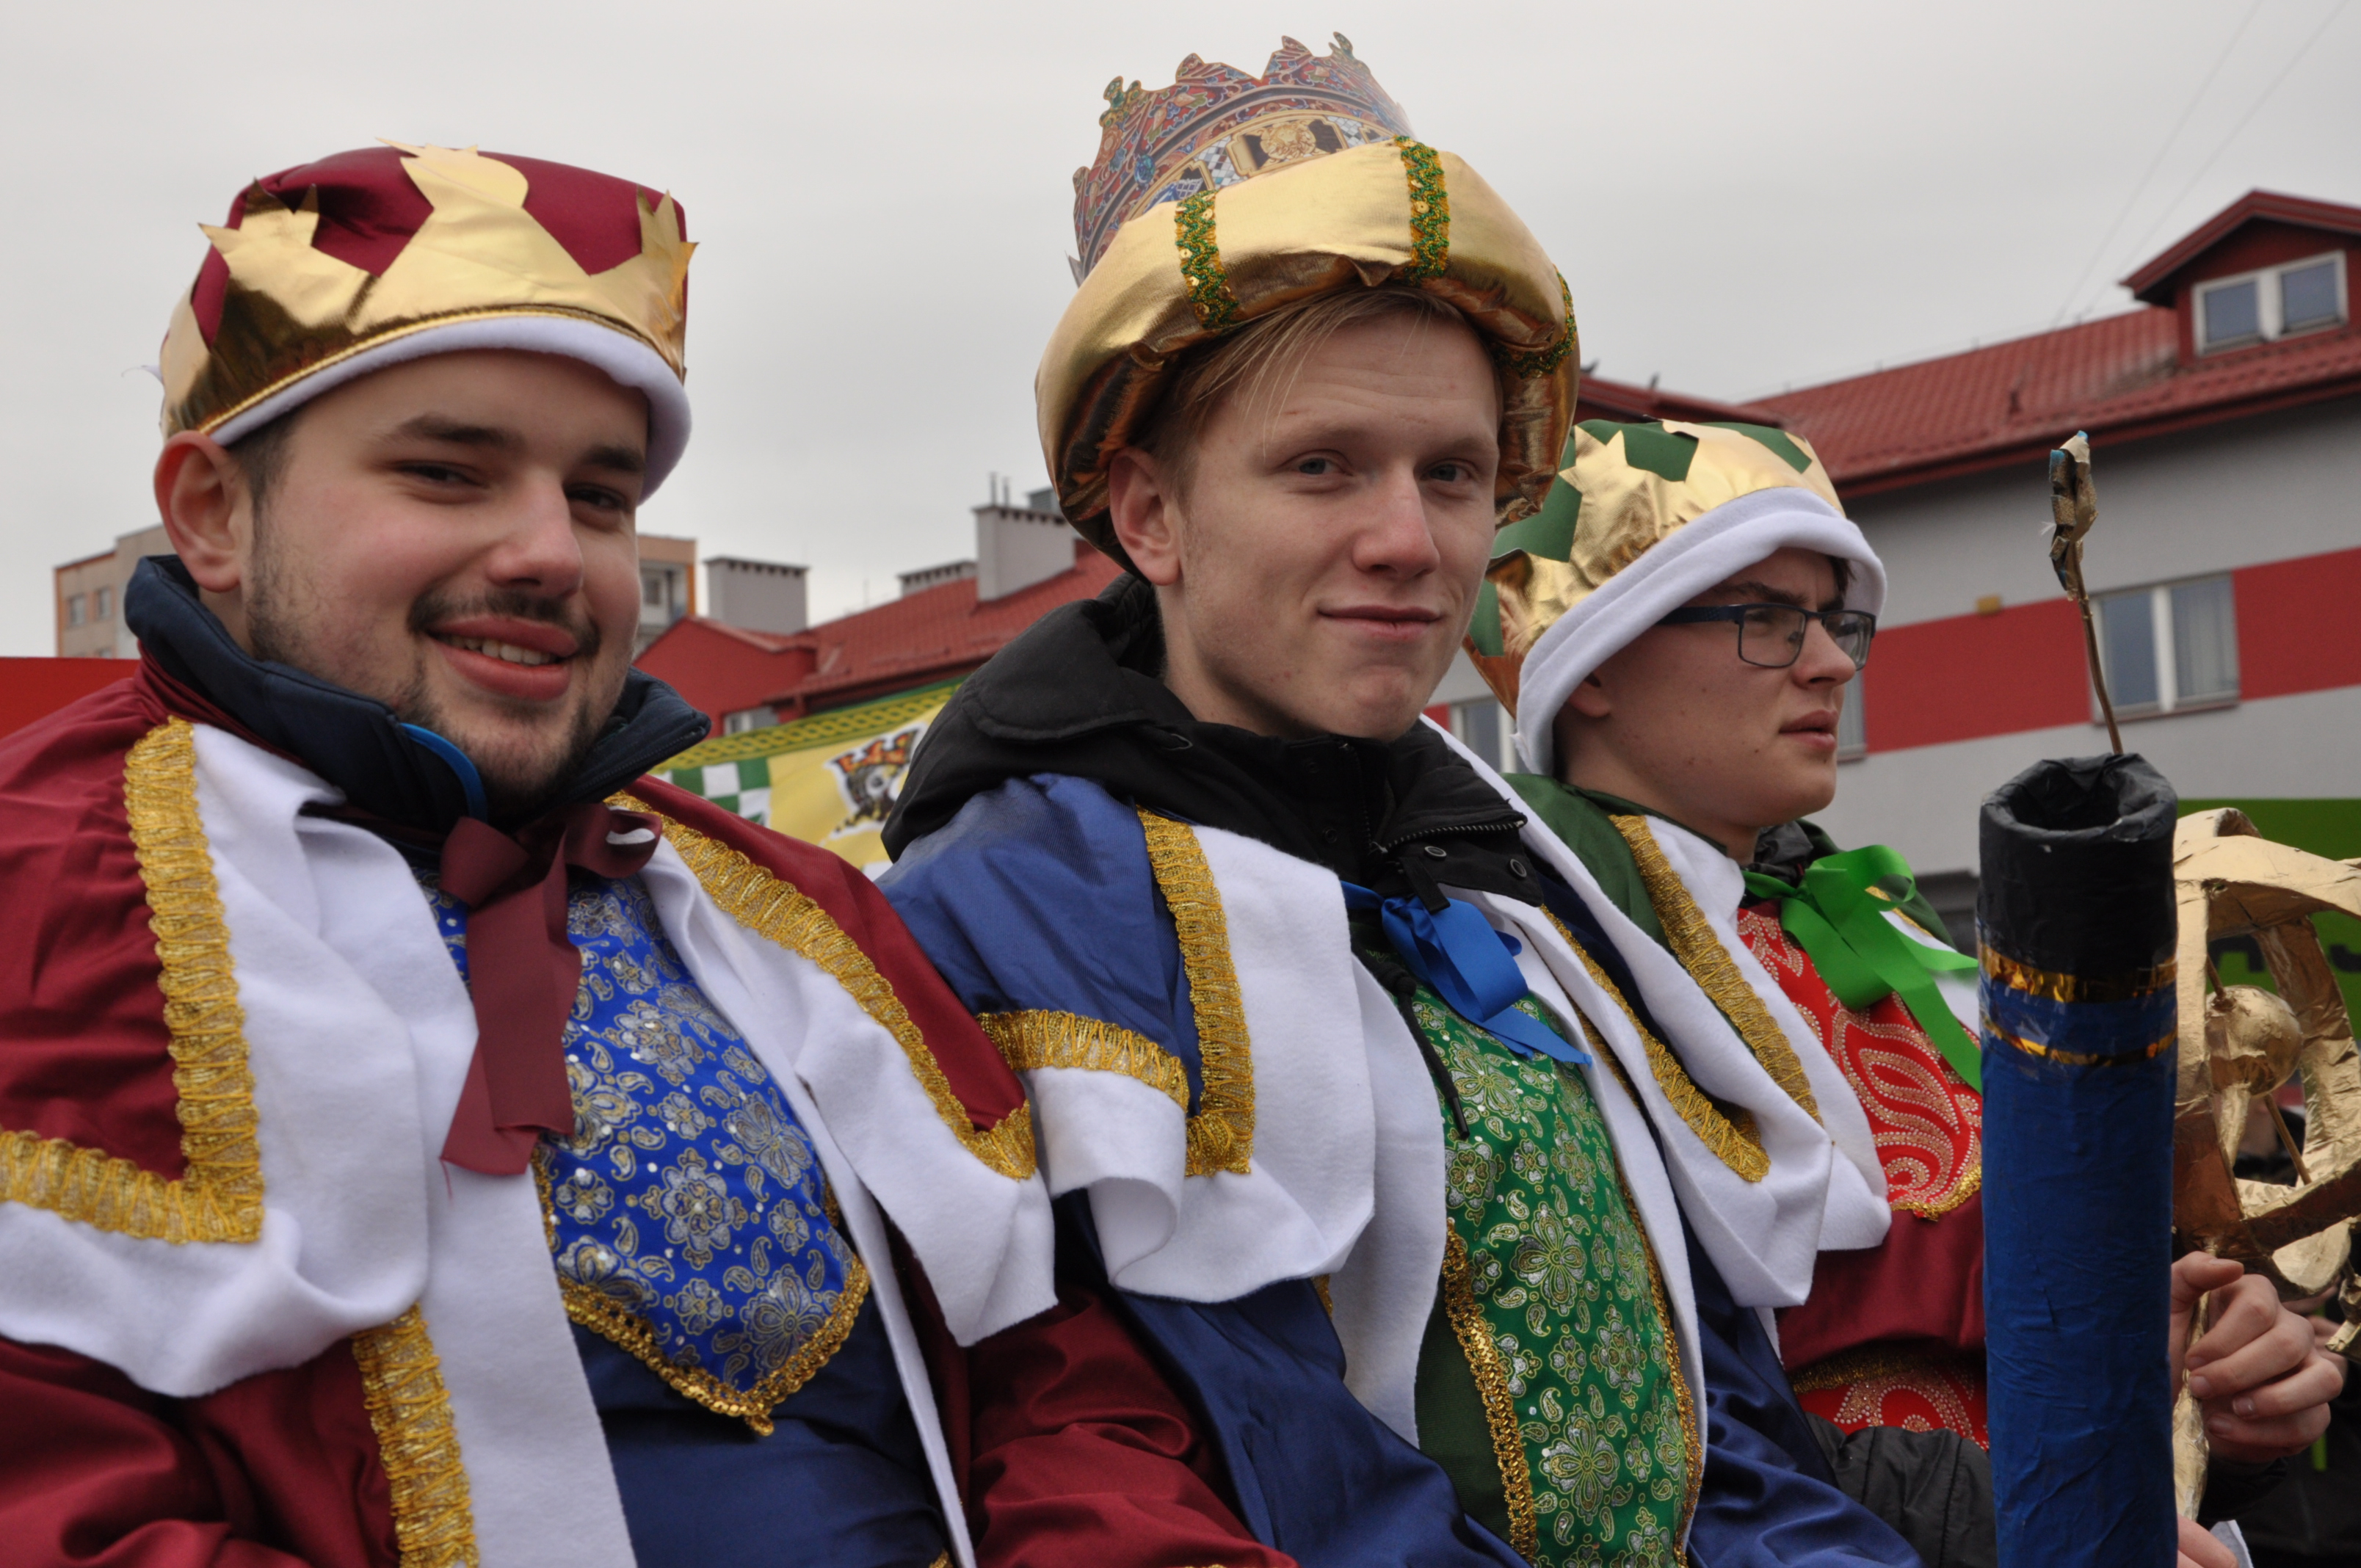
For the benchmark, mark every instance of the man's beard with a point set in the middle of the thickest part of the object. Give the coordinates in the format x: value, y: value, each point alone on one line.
x: 520, y: 782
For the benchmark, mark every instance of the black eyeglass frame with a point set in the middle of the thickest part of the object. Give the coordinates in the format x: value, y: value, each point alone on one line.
x: 1737, y: 614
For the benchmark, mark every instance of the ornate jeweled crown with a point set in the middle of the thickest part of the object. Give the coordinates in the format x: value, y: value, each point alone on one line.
x: 331, y: 264
x: 1216, y: 126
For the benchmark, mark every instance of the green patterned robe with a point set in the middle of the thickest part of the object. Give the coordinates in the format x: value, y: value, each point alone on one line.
x: 1550, y: 1385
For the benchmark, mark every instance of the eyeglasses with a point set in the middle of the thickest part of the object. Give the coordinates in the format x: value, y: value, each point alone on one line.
x: 1772, y: 635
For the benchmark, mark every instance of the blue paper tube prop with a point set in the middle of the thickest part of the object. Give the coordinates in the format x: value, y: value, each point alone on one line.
x: 2078, y: 923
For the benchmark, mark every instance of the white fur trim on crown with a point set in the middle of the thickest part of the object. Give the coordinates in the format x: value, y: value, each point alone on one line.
x: 1693, y: 558
x: 626, y: 360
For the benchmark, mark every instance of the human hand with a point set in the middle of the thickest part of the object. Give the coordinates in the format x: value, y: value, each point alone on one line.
x: 2257, y: 1372
x: 2199, y: 1549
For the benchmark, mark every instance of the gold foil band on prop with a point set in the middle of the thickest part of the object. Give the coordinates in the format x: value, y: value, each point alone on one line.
x: 2052, y: 1016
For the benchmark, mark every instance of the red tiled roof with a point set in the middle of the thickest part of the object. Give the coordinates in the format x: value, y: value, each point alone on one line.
x: 2120, y: 378
x: 1625, y: 403
x: 2152, y: 284
x: 929, y: 635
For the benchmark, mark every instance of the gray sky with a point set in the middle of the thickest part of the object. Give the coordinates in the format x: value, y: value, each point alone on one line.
x: 1743, y: 197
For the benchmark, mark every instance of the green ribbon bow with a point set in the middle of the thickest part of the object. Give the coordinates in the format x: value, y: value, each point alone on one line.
x: 1838, y: 917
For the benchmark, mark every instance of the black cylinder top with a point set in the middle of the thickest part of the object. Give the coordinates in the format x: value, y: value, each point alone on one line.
x: 2077, y: 867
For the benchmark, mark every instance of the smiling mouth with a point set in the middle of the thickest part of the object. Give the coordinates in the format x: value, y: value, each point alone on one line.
x: 507, y: 652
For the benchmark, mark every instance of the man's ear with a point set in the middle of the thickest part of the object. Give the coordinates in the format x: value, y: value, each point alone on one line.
x: 1590, y: 698
x: 201, y: 494
x: 1143, y: 513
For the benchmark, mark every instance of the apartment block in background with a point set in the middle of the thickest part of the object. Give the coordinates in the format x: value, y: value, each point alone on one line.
x: 90, y: 597
x: 668, y: 584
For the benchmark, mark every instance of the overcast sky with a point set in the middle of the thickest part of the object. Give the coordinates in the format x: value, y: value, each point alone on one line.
x: 1744, y: 197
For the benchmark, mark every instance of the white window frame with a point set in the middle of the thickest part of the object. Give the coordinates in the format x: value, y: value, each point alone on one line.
x: 2168, y: 664
x: 2270, y: 311
x: 1852, y: 748
x: 748, y: 719
x: 1506, y: 762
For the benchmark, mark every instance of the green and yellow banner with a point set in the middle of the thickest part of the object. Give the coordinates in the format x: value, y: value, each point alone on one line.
x: 830, y: 779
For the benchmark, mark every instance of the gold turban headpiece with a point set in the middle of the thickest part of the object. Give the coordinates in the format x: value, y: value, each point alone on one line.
x: 1225, y: 196
x: 332, y: 269
x: 1642, y: 519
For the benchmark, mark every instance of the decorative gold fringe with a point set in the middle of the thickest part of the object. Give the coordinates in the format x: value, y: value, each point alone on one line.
x: 402, y: 1384
x: 1038, y: 1037
x: 1709, y: 964
x: 777, y: 911
x: 1492, y: 1383
x: 220, y: 1197
x: 1731, y: 1136
x: 1221, y: 1134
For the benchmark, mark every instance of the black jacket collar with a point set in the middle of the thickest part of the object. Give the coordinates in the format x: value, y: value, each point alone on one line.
x: 386, y: 770
x: 1078, y: 695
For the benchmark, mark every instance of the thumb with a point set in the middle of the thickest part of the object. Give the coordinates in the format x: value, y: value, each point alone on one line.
x: 2192, y: 1276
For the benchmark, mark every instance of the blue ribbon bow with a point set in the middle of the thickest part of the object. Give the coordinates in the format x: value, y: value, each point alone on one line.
x: 1467, y: 963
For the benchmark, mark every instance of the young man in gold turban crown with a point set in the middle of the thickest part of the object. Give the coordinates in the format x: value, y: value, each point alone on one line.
x: 424, y: 1139
x: 1345, y: 1126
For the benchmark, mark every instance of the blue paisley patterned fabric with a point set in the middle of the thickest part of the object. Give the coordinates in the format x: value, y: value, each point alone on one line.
x: 688, y: 1217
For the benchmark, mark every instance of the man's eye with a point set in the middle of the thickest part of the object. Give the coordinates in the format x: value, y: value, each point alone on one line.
x: 592, y: 496
x: 1449, y: 473
x: 1315, y: 466
x: 434, y: 473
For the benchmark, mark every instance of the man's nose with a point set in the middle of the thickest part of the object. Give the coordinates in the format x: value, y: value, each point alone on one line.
x: 538, y: 548
x: 1822, y: 660
x: 1396, y: 534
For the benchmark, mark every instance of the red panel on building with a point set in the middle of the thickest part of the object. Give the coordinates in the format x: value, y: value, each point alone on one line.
x: 1972, y: 675
x: 2299, y: 624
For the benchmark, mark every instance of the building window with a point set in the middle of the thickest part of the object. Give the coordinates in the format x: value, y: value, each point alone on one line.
x: 1853, y: 722
x: 2169, y: 647
x: 101, y: 605
x: 77, y: 609
x: 747, y: 719
x: 1483, y: 726
x: 2255, y: 307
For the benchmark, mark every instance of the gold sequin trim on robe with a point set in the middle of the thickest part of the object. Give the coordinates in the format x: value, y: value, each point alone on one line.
x: 1492, y: 1384
x: 1038, y: 1039
x: 1709, y: 964
x: 777, y: 911
x: 1731, y: 1136
x: 1221, y: 1134
x: 409, y: 1410
x: 220, y: 1197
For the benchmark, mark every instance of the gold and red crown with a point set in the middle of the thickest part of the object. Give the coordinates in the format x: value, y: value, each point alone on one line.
x: 334, y: 268
x: 1216, y: 126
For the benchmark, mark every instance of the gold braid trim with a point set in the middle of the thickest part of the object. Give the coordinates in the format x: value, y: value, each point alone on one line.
x: 1038, y: 1037
x: 1731, y: 1136
x: 1877, y: 1359
x: 1492, y: 1383
x: 1709, y: 964
x: 776, y: 910
x: 402, y: 1384
x: 605, y: 1316
x: 1221, y: 1134
x: 220, y: 1197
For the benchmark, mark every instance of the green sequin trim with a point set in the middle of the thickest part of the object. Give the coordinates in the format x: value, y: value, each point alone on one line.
x: 1430, y: 211
x: 1201, y: 264
x: 1542, y: 361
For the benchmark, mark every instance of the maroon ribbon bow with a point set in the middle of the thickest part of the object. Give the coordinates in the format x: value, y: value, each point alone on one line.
x: 525, y: 969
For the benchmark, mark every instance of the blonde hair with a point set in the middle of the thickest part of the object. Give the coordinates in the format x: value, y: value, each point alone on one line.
x: 1259, y: 360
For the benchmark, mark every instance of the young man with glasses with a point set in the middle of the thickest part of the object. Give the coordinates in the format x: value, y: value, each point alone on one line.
x: 1675, y: 629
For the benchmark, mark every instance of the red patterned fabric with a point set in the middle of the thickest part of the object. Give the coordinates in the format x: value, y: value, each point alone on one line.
x: 1929, y: 1123
x: 1891, y: 1335
x: 1900, y: 1386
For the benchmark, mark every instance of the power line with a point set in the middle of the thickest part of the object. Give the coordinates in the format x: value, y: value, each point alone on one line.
x: 2223, y: 145
x: 2154, y: 164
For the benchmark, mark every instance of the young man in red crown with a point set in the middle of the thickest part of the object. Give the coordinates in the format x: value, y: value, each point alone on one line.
x: 423, y: 1138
